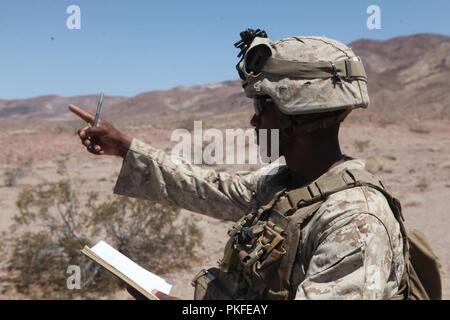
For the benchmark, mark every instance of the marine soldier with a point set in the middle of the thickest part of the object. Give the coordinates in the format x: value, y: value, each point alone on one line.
x: 321, y: 226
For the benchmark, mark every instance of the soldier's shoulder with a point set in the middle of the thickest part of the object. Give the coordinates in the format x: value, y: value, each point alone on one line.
x: 347, y: 221
x: 353, y: 201
x: 364, y: 203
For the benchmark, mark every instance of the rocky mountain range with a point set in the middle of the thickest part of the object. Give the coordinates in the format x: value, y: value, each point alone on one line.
x: 409, y: 78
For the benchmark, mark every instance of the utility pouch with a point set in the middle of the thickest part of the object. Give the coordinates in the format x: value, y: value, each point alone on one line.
x: 213, y: 284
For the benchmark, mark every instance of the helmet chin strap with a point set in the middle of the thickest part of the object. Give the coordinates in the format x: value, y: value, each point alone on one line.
x: 289, y: 125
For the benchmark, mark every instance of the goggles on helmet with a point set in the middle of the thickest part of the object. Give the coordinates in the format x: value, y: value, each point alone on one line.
x: 259, y: 56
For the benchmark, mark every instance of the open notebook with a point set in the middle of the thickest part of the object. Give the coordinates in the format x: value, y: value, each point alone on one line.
x: 127, y: 270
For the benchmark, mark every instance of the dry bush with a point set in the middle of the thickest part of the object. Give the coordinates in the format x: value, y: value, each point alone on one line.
x: 55, y: 221
x: 417, y: 127
x: 413, y: 204
x: 385, y: 121
x: 187, y: 122
x: 15, y: 170
x: 422, y: 185
x: 361, y: 145
x: 70, y: 127
x: 375, y: 164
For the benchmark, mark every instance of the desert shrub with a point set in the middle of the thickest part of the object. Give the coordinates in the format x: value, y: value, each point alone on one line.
x: 361, y: 145
x: 422, y: 185
x: 64, y: 127
x: 15, y: 170
x: 55, y: 221
x: 187, y: 123
x: 417, y: 127
x: 385, y: 121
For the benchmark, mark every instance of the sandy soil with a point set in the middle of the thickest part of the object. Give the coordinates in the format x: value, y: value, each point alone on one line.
x: 412, y: 160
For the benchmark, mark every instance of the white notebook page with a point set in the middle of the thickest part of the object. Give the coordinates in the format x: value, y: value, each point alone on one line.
x: 145, y: 279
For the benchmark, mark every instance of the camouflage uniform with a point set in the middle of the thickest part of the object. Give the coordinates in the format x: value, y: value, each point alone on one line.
x: 351, y: 249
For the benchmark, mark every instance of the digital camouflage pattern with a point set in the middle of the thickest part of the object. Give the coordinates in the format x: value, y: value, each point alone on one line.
x: 351, y: 249
x: 315, y: 89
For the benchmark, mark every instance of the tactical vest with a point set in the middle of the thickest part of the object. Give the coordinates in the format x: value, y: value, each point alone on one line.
x: 263, y: 247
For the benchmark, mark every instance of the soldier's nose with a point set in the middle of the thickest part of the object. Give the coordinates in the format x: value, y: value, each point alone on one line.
x: 254, y: 121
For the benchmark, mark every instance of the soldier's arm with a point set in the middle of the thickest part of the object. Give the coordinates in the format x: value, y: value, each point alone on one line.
x: 351, y: 261
x: 150, y: 173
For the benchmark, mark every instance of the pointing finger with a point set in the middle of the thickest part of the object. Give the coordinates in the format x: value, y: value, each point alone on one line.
x: 83, y: 114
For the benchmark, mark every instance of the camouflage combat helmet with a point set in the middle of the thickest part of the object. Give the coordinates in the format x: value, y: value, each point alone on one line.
x: 303, y: 74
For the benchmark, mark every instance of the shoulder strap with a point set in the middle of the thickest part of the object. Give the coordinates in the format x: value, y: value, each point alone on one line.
x: 325, y: 186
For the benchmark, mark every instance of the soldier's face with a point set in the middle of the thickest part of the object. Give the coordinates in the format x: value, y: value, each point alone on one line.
x: 268, y: 118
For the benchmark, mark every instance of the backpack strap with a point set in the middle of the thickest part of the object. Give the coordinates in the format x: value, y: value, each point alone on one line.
x: 319, y: 190
x: 323, y: 187
x: 313, y: 195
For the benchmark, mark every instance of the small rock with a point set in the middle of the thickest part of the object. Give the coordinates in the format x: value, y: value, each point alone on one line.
x: 412, y: 204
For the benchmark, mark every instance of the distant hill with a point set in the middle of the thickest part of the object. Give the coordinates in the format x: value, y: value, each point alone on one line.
x: 51, y: 108
x: 409, y: 77
x: 209, y: 99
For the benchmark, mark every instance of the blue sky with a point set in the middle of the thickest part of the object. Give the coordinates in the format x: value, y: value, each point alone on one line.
x: 128, y: 47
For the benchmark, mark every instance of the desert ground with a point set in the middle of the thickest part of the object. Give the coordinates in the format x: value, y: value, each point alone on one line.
x: 412, y: 159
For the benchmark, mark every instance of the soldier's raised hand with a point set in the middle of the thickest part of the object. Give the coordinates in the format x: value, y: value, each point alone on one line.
x: 103, y: 138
